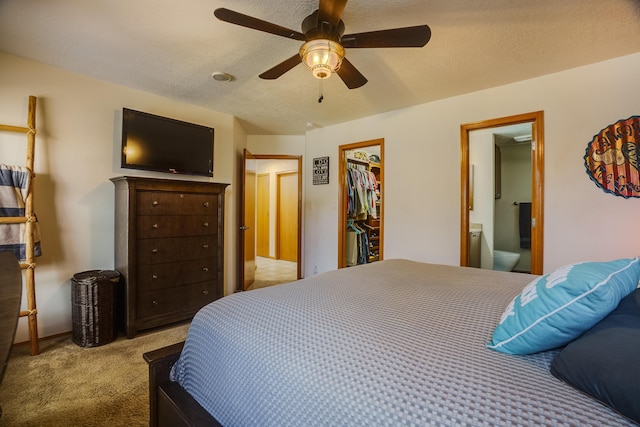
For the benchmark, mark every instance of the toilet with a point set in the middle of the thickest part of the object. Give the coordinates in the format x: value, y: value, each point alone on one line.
x: 504, y: 260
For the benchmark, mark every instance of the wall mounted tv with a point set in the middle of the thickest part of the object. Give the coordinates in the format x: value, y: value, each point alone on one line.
x: 161, y: 144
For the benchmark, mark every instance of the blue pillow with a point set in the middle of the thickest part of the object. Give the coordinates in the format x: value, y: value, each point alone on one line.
x: 558, y: 307
x: 604, y: 361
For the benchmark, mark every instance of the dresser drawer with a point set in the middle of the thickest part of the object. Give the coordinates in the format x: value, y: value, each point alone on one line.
x: 175, y: 203
x: 187, y: 298
x: 173, y: 249
x: 174, y: 225
x: 161, y: 276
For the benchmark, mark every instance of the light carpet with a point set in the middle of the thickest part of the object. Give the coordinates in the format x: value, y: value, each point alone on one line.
x: 265, y: 283
x: 69, y: 385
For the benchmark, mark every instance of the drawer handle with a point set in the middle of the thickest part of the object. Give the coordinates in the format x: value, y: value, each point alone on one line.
x: 154, y: 226
x: 205, y: 292
x: 205, y: 204
x: 205, y: 268
x: 205, y: 246
x: 154, y: 203
x: 154, y: 277
x: 206, y: 224
x: 154, y: 251
x: 154, y: 302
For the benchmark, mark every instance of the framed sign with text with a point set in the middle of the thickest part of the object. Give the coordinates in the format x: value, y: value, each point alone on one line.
x: 321, y: 170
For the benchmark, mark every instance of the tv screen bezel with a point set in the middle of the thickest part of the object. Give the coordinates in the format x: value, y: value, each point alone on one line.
x: 125, y: 164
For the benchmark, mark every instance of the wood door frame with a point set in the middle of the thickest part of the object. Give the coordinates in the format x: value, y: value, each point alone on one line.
x: 242, y: 281
x: 277, y: 231
x: 239, y: 285
x: 343, y: 194
x: 536, y: 119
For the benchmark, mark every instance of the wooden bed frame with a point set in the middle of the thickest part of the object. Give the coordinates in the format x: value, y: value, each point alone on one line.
x: 169, y: 404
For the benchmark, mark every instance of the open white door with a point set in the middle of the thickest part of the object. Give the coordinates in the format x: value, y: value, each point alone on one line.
x: 248, y: 221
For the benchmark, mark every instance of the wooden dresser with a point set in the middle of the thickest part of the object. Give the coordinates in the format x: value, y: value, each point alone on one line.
x: 169, y: 249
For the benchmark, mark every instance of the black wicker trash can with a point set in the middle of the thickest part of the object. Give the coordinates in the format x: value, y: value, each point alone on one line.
x: 93, y: 295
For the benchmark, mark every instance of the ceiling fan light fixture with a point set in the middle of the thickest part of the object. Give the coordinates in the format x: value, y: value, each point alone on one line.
x: 322, y: 56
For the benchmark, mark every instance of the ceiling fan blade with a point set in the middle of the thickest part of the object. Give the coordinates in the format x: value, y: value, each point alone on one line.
x: 417, y: 36
x: 350, y: 75
x: 331, y: 11
x: 256, y: 24
x: 281, y: 68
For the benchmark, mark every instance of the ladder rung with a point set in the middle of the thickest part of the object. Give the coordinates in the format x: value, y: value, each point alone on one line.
x: 13, y: 219
x: 25, y: 313
x: 11, y: 128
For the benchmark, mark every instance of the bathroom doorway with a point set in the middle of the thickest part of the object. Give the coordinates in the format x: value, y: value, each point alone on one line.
x: 502, y: 193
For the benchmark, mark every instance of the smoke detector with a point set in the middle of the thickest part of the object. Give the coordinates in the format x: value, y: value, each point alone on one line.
x: 220, y: 76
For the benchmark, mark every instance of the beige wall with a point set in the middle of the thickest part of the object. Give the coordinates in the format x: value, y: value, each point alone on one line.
x: 422, y: 169
x: 77, y: 151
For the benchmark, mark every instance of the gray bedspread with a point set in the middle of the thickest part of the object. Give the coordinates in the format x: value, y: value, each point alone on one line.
x: 391, y: 343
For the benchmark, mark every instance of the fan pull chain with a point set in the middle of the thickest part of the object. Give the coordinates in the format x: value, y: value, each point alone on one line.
x: 321, y: 95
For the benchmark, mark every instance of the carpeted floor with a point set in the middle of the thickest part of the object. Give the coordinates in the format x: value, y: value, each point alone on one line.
x: 68, y: 385
x: 265, y: 283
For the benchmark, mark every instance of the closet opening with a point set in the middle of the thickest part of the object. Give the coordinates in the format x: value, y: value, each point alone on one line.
x: 361, y: 203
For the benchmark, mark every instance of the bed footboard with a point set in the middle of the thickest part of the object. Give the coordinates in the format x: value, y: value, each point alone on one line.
x: 169, y: 404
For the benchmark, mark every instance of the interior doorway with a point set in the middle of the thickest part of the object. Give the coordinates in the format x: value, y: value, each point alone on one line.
x: 471, y: 174
x: 271, y: 210
x: 361, y: 228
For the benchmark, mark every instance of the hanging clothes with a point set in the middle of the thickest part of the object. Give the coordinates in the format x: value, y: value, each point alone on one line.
x: 357, y: 245
x: 351, y: 194
x: 372, y: 196
x: 362, y: 201
x: 361, y: 192
x: 351, y: 249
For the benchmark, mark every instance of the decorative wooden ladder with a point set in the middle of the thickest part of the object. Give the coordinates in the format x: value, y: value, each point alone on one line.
x: 29, y: 219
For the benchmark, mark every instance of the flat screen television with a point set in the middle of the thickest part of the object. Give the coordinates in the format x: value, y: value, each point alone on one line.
x: 161, y: 144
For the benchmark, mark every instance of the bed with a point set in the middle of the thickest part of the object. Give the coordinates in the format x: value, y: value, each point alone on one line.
x: 395, y: 342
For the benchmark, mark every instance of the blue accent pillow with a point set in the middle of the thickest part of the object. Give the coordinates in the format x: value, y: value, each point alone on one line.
x: 604, y: 361
x: 556, y: 308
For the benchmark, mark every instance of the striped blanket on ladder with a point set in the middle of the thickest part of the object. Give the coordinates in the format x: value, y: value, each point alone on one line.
x: 14, y: 186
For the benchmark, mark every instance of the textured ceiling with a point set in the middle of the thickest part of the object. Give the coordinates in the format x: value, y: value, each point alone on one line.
x: 171, y: 48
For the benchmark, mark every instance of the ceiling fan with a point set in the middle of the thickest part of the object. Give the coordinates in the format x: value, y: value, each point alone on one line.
x: 324, y: 42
